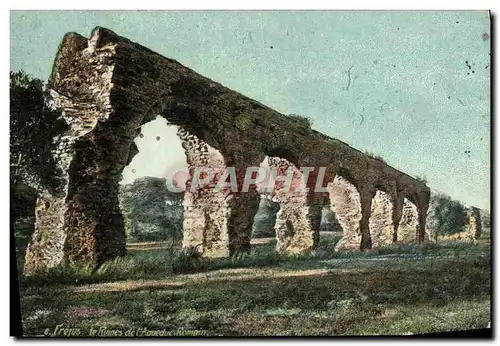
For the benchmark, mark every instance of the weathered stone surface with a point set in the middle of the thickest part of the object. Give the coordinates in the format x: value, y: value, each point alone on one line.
x: 346, y: 204
x: 106, y: 87
x: 205, y: 210
x: 475, y: 227
x: 217, y: 220
x: 381, y: 224
x: 294, y: 230
x: 48, y: 251
x: 408, y: 226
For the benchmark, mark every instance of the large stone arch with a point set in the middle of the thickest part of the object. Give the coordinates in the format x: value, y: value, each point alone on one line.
x: 83, y: 223
x: 106, y: 87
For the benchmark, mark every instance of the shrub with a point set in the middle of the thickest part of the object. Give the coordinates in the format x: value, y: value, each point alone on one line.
x: 422, y: 180
x: 305, y: 121
x: 445, y: 216
x: 376, y: 157
x: 151, y: 212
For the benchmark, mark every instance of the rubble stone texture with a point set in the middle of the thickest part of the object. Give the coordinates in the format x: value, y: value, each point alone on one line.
x: 346, y: 204
x: 381, y: 224
x: 408, y: 224
x: 107, y: 87
x: 205, y: 209
x: 475, y: 227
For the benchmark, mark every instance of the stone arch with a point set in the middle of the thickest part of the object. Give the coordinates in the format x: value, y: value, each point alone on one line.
x: 283, y: 152
x: 206, y: 211
x: 217, y: 220
x: 295, y: 227
x: 380, y: 222
x: 408, y: 225
x: 85, y: 224
x: 107, y: 86
x: 345, y: 201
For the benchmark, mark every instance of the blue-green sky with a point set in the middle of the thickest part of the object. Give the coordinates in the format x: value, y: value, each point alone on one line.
x: 412, y: 97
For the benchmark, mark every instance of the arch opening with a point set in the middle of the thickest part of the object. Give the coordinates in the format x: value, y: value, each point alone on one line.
x: 286, y: 206
x: 152, y: 211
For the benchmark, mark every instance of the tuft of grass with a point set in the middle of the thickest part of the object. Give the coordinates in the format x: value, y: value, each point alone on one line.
x: 135, y: 265
x: 302, y: 120
x: 422, y: 180
x: 376, y: 157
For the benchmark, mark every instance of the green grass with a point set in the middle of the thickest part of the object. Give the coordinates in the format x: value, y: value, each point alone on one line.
x: 322, y: 293
x: 169, y: 262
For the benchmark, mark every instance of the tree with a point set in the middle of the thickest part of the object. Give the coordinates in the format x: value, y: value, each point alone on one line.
x: 446, y: 216
x: 32, y: 167
x: 151, y: 211
x: 329, y: 222
x: 423, y: 180
x: 33, y: 126
x: 265, y: 218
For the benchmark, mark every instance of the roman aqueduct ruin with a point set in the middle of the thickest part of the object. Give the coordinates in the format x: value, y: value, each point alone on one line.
x: 107, y: 87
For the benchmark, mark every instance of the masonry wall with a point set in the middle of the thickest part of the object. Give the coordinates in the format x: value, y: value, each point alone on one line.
x: 107, y: 87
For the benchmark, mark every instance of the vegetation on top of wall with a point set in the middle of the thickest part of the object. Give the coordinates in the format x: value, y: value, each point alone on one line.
x: 423, y: 179
x: 304, y: 121
x: 376, y: 157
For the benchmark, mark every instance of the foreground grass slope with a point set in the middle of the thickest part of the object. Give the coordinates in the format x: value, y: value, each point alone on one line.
x: 396, y: 290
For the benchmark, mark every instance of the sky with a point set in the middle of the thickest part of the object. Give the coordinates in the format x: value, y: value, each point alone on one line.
x: 410, y: 86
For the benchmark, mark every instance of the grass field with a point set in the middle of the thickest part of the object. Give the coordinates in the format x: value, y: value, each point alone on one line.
x: 156, y: 291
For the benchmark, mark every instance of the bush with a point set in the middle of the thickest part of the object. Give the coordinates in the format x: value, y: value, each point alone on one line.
x: 151, y: 212
x: 445, y: 216
x: 422, y: 180
x: 305, y: 121
x: 22, y: 218
x: 376, y: 157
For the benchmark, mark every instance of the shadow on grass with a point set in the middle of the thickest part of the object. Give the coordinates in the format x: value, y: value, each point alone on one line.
x: 333, y: 302
x: 162, y: 264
